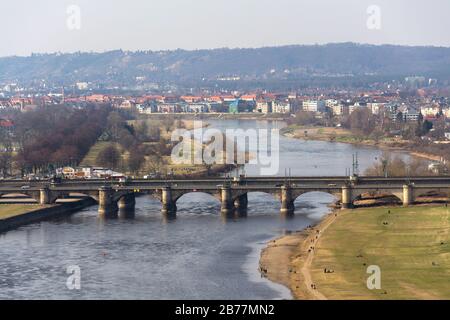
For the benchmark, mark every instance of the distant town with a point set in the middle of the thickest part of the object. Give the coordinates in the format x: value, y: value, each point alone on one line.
x: 416, y: 99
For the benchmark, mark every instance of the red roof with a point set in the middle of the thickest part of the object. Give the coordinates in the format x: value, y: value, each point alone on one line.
x: 6, y: 123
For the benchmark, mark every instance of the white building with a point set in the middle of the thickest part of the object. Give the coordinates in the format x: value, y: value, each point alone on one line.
x: 281, y: 107
x: 430, y: 111
x: 339, y: 109
x: 263, y: 106
x: 196, y: 107
x: 82, y: 85
x: 446, y: 112
x: 408, y: 113
x: 356, y: 106
x: 375, y: 107
x: 314, y: 105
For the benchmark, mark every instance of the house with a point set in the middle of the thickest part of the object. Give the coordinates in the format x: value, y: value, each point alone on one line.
x: 215, y: 99
x: 67, y: 172
x: 127, y: 104
x: 228, y: 98
x: 249, y: 97
x: 191, y: 99
x: 97, y: 98
x: 6, y: 124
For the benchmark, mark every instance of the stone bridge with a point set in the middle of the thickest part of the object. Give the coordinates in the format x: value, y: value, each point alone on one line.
x: 232, y: 193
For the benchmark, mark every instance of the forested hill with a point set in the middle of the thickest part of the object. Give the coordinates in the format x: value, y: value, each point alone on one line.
x: 288, y: 62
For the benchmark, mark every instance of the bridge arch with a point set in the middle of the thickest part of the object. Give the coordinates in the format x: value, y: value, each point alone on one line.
x: 266, y: 194
x: 301, y: 195
x: 371, y: 196
x: 177, y: 195
x: 197, y: 202
x: 21, y: 194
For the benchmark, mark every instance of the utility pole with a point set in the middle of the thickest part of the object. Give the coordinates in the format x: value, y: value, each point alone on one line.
x: 355, y: 164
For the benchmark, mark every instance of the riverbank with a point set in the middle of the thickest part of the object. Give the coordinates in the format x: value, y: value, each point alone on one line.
x: 13, y: 216
x: 345, y: 136
x: 11, y: 210
x: 410, y: 245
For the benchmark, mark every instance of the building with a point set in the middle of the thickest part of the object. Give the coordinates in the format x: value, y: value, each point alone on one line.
x: 375, y: 107
x: 281, y: 106
x: 82, y: 85
x: 169, y: 108
x: 430, y: 110
x: 263, y: 106
x: 356, y: 106
x: 407, y: 113
x: 249, y: 97
x: 191, y: 99
x: 97, y: 98
x: 340, y: 109
x: 6, y: 124
x: 218, y: 107
x: 238, y: 106
x: 411, y: 114
x: 314, y: 106
x: 147, y: 108
x: 127, y: 104
x: 196, y: 107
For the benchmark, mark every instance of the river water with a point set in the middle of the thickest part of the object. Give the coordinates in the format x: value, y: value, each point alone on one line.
x: 199, y: 255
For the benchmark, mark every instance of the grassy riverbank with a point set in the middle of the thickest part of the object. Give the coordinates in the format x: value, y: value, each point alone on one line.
x: 157, y: 159
x: 410, y: 245
x: 346, y: 136
x: 12, y: 210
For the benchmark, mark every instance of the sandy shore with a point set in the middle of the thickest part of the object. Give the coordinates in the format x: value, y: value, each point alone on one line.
x: 330, y: 260
x: 287, y: 260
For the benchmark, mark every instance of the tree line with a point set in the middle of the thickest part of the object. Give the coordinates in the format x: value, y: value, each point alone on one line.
x: 51, y: 137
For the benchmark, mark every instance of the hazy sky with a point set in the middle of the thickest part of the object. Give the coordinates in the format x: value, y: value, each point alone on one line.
x: 41, y: 25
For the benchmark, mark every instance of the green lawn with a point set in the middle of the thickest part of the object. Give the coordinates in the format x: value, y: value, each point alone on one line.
x: 11, y: 210
x: 91, y: 158
x: 412, y: 250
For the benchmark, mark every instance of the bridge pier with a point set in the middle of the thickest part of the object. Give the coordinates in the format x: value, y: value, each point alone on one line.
x: 127, y: 202
x: 169, y: 206
x: 287, y: 202
x: 408, y: 197
x: 347, y: 201
x: 227, y: 205
x: 106, y: 203
x: 241, y: 203
x: 44, y: 196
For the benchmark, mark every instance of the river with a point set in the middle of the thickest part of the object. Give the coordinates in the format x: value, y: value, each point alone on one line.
x: 199, y: 255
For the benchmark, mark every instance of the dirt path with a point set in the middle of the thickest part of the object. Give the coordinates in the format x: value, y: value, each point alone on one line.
x: 306, y: 268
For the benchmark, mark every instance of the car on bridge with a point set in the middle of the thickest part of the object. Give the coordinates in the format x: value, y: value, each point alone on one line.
x: 332, y: 185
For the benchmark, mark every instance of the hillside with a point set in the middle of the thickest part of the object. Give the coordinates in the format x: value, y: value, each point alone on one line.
x: 332, y: 61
